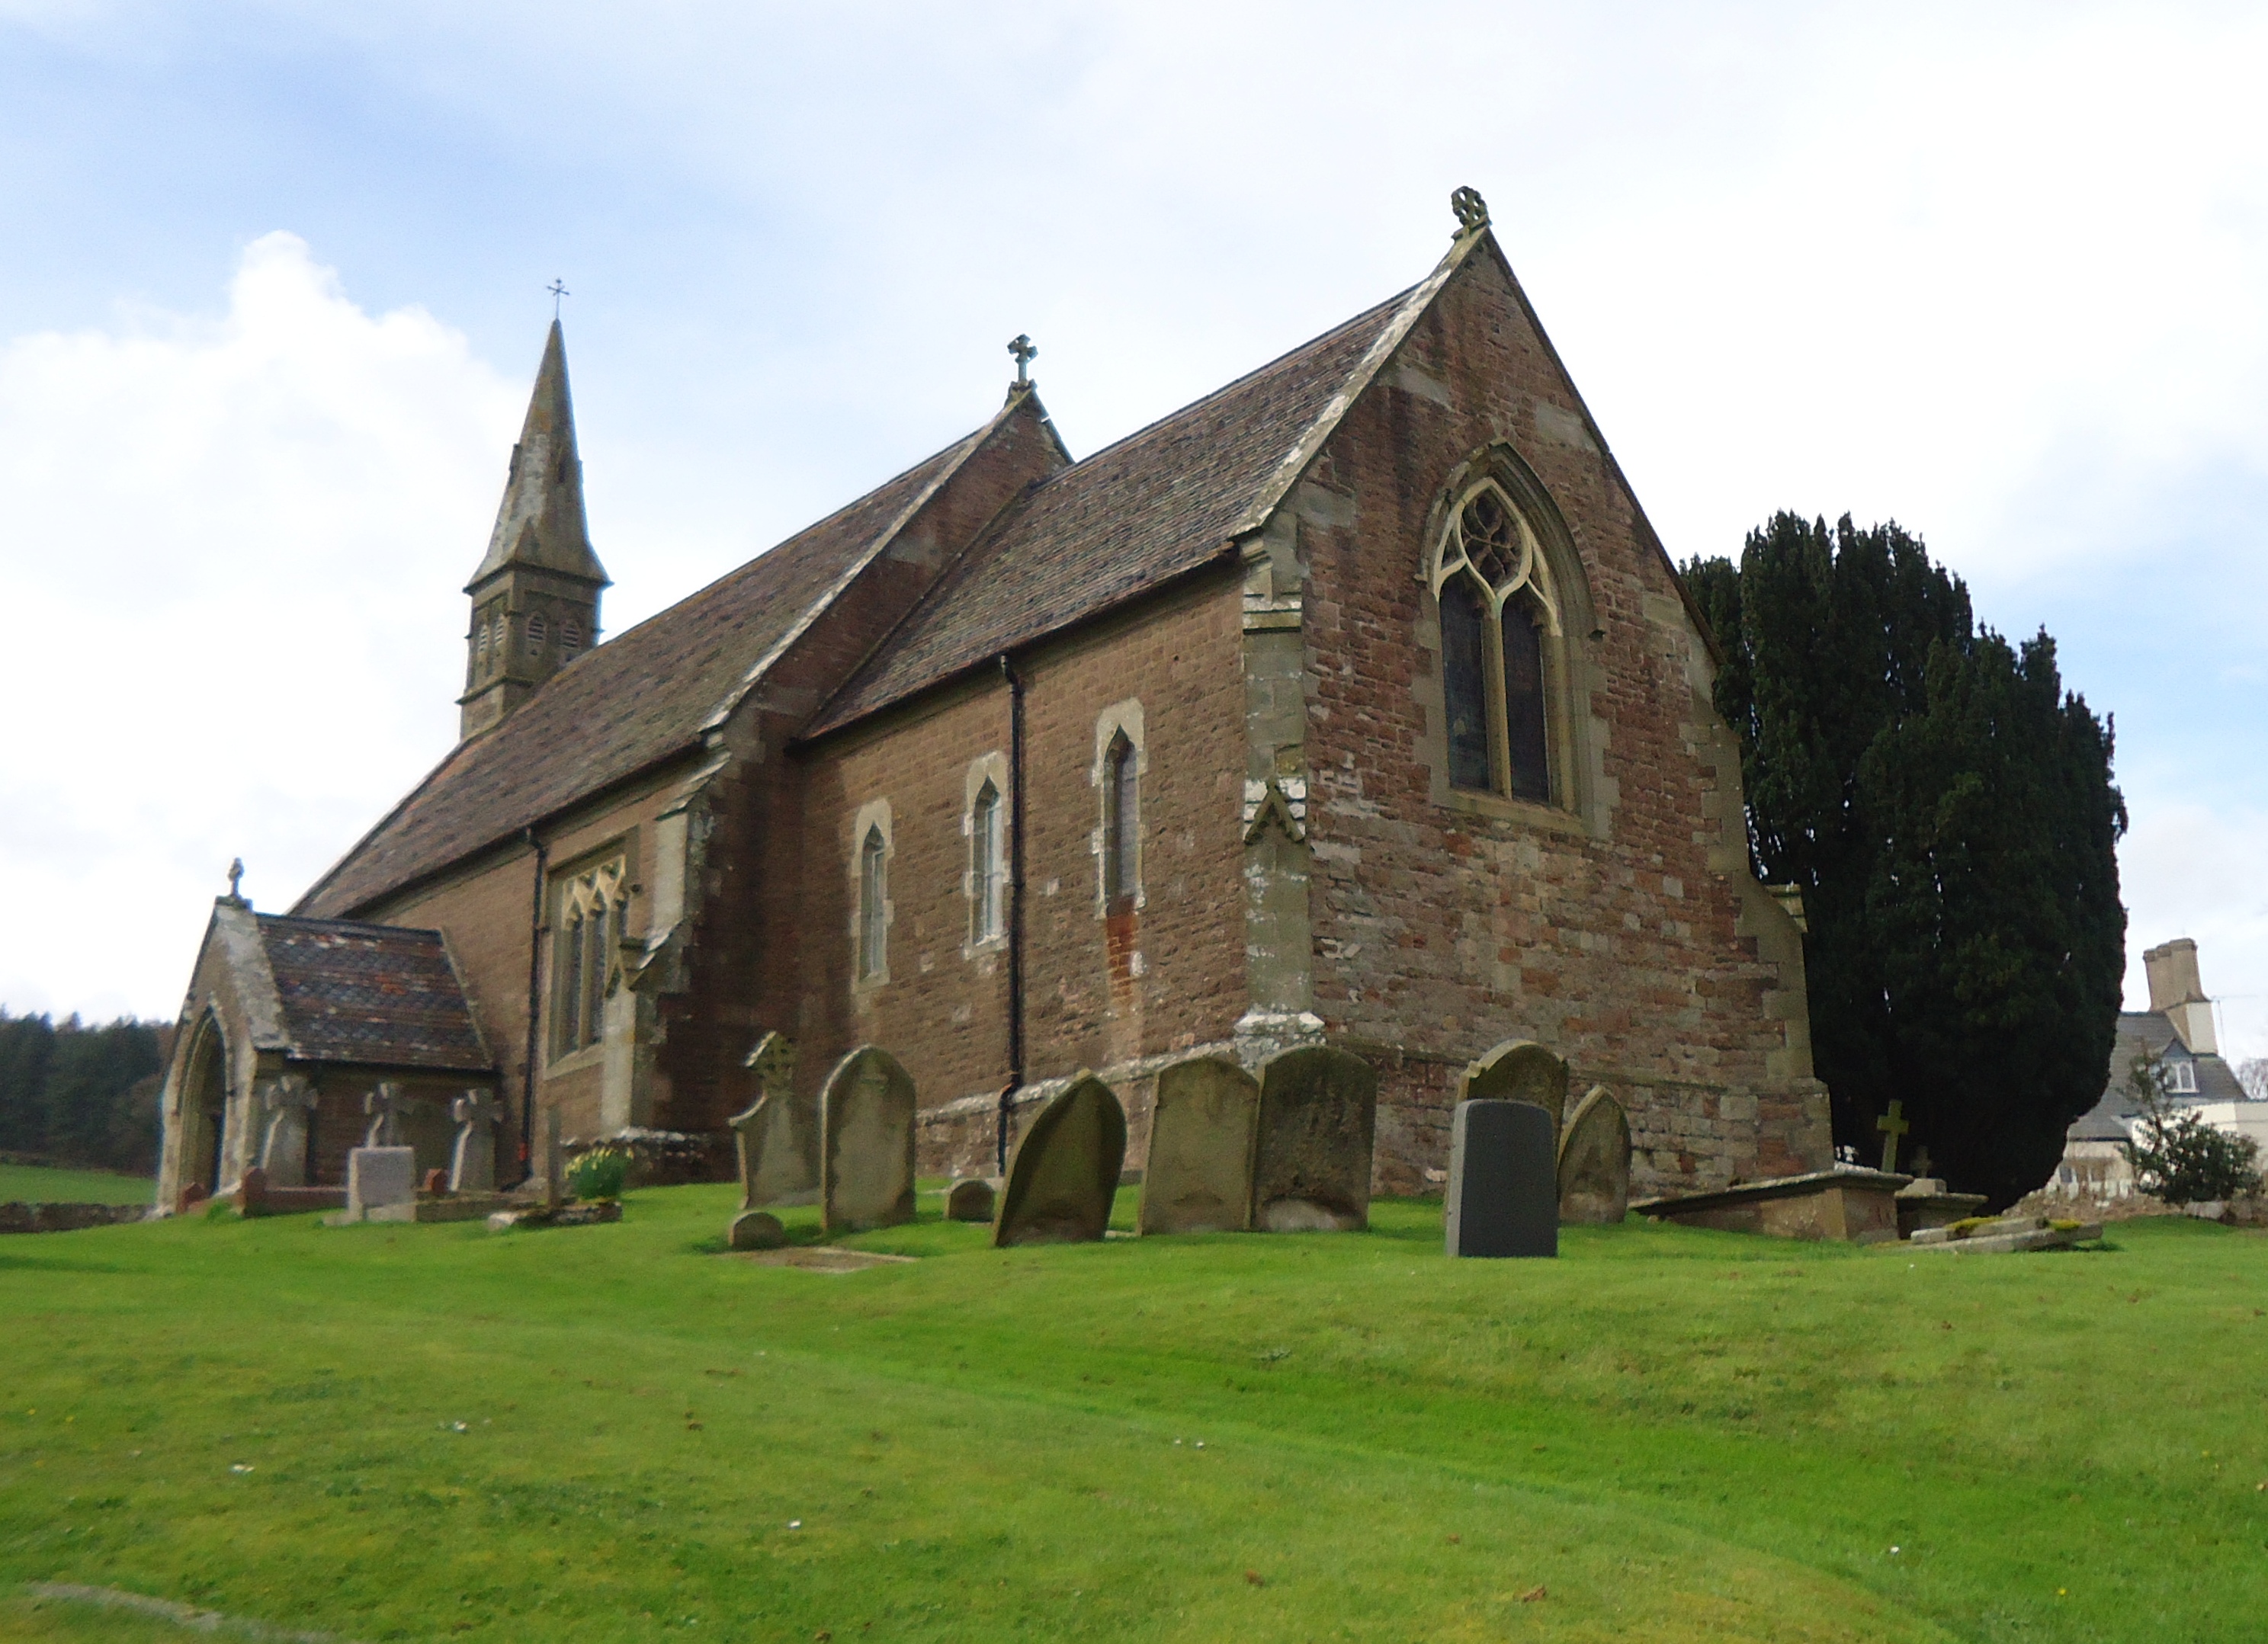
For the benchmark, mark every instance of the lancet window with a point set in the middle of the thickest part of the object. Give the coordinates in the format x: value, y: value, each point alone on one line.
x: 1121, y: 862
x: 874, y: 905
x: 589, y: 924
x: 1497, y: 609
x: 988, y: 864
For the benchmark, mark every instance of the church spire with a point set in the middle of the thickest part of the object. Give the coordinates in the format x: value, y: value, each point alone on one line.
x: 535, y: 594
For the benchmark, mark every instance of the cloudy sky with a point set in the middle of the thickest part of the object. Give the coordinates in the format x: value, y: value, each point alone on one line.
x: 271, y: 294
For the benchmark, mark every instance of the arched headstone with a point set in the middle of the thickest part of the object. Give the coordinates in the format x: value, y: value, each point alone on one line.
x: 1064, y: 1173
x: 1519, y: 1071
x: 971, y: 1199
x: 1595, y: 1161
x: 866, y: 1142
x: 1318, y: 1121
x: 1203, y: 1126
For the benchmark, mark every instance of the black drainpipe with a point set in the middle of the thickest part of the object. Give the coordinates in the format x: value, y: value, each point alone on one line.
x: 1015, y: 901
x: 542, y: 850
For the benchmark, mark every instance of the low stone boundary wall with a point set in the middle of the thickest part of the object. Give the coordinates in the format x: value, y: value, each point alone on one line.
x: 22, y: 1218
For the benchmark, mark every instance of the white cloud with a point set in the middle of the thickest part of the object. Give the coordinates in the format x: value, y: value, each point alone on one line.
x: 232, y: 549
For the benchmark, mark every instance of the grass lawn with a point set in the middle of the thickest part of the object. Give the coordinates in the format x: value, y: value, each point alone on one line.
x: 616, y: 1432
x: 35, y: 1184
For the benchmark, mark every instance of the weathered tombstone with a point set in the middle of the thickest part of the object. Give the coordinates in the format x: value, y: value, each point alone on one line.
x: 777, y: 1138
x: 1595, y: 1161
x: 472, y: 1159
x: 385, y: 1107
x: 1503, y: 1198
x: 382, y: 1184
x: 289, y: 1104
x: 1519, y: 1071
x: 866, y: 1149
x: 971, y: 1199
x: 757, y: 1229
x: 1064, y: 1173
x: 1311, y: 1162
x: 1203, y: 1128
x: 555, y: 1162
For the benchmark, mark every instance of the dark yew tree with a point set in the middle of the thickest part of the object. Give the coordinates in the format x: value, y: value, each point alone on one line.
x: 80, y: 1095
x: 1947, y: 812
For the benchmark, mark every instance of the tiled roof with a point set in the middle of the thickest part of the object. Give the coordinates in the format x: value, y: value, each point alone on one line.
x: 375, y: 994
x: 1158, y: 503
x: 2141, y: 1031
x: 622, y: 706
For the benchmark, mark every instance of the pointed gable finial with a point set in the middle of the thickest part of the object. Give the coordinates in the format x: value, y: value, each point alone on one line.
x: 235, y: 897
x: 1025, y: 351
x: 1471, y: 210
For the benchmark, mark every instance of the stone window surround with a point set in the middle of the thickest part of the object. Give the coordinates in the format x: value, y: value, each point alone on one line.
x: 617, y: 854
x: 873, y: 818
x: 1122, y: 719
x: 1573, y: 740
x: 993, y: 768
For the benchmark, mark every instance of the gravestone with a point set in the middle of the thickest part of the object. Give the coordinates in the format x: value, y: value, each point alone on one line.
x: 777, y: 1137
x: 971, y: 1199
x: 1065, y: 1170
x: 382, y: 1184
x: 1594, y: 1162
x: 1503, y: 1196
x: 1203, y: 1126
x: 1519, y: 1071
x: 472, y: 1158
x: 289, y: 1105
x: 866, y: 1142
x: 1311, y: 1161
x: 385, y: 1107
x: 757, y: 1229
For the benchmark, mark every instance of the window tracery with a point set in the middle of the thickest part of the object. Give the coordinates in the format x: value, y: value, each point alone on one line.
x: 590, y: 926
x: 1497, y: 607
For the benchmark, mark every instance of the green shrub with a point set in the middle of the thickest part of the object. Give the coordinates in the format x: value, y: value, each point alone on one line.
x: 599, y: 1173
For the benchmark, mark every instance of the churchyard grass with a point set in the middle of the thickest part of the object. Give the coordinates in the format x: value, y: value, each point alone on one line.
x: 617, y: 1433
x: 39, y: 1184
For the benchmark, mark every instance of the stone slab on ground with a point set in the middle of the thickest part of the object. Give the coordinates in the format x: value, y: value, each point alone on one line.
x: 1856, y: 1206
x: 825, y: 1259
x: 1503, y: 1197
x: 1926, y: 1202
x: 567, y: 1215
x: 1318, y: 1127
x: 19, y: 1217
x: 1204, y: 1125
x: 1064, y: 1173
x: 2009, y: 1233
x: 461, y: 1206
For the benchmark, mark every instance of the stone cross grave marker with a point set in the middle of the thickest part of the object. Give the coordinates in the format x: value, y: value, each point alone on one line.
x: 1892, y: 1124
x: 1065, y: 1170
x: 1519, y: 1071
x: 385, y: 1107
x: 1595, y: 1161
x: 289, y: 1103
x: 1921, y: 1161
x: 472, y: 1158
x: 382, y: 1184
x: 1503, y: 1197
x: 866, y: 1142
x: 1197, y: 1178
x: 777, y: 1137
x: 1318, y: 1122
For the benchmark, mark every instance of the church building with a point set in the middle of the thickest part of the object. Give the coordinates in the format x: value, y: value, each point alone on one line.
x: 1356, y: 703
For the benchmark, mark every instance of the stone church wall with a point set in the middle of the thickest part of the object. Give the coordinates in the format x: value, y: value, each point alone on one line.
x: 1613, y: 929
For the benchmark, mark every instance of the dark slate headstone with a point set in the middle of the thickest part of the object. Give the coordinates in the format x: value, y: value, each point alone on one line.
x: 1519, y: 1071
x: 1065, y: 1170
x: 866, y: 1148
x: 1198, y: 1175
x: 1318, y: 1121
x: 1595, y: 1161
x: 1504, y: 1188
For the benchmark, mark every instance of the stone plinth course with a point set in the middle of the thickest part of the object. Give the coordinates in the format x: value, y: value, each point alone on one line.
x: 1318, y: 1122
x: 866, y: 1127
x: 1594, y: 1162
x: 1203, y: 1126
x: 1064, y: 1172
x: 1503, y: 1197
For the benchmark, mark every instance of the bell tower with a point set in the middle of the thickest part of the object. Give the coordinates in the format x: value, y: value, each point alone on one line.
x: 535, y: 595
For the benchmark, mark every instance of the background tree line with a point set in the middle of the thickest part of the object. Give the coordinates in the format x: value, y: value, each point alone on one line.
x: 70, y: 1094
x: 1948, y: 809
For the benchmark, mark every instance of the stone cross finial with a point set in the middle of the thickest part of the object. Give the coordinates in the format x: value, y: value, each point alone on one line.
x: 287, y: 1104
x: 472, y: 1158
x: 1025, y: 351
x: 383, y: 1107
x: 559, y: 289
x: 1471, y: 210
x: 1921, y: 1163
x: 1892, y: 1124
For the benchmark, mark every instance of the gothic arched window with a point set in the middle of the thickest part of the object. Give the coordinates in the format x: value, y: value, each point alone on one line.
x: 593, y: 903
x: 1496, y: 609
x: 988, y: 867
x: 874, y: 905
x: 1122, y: 860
